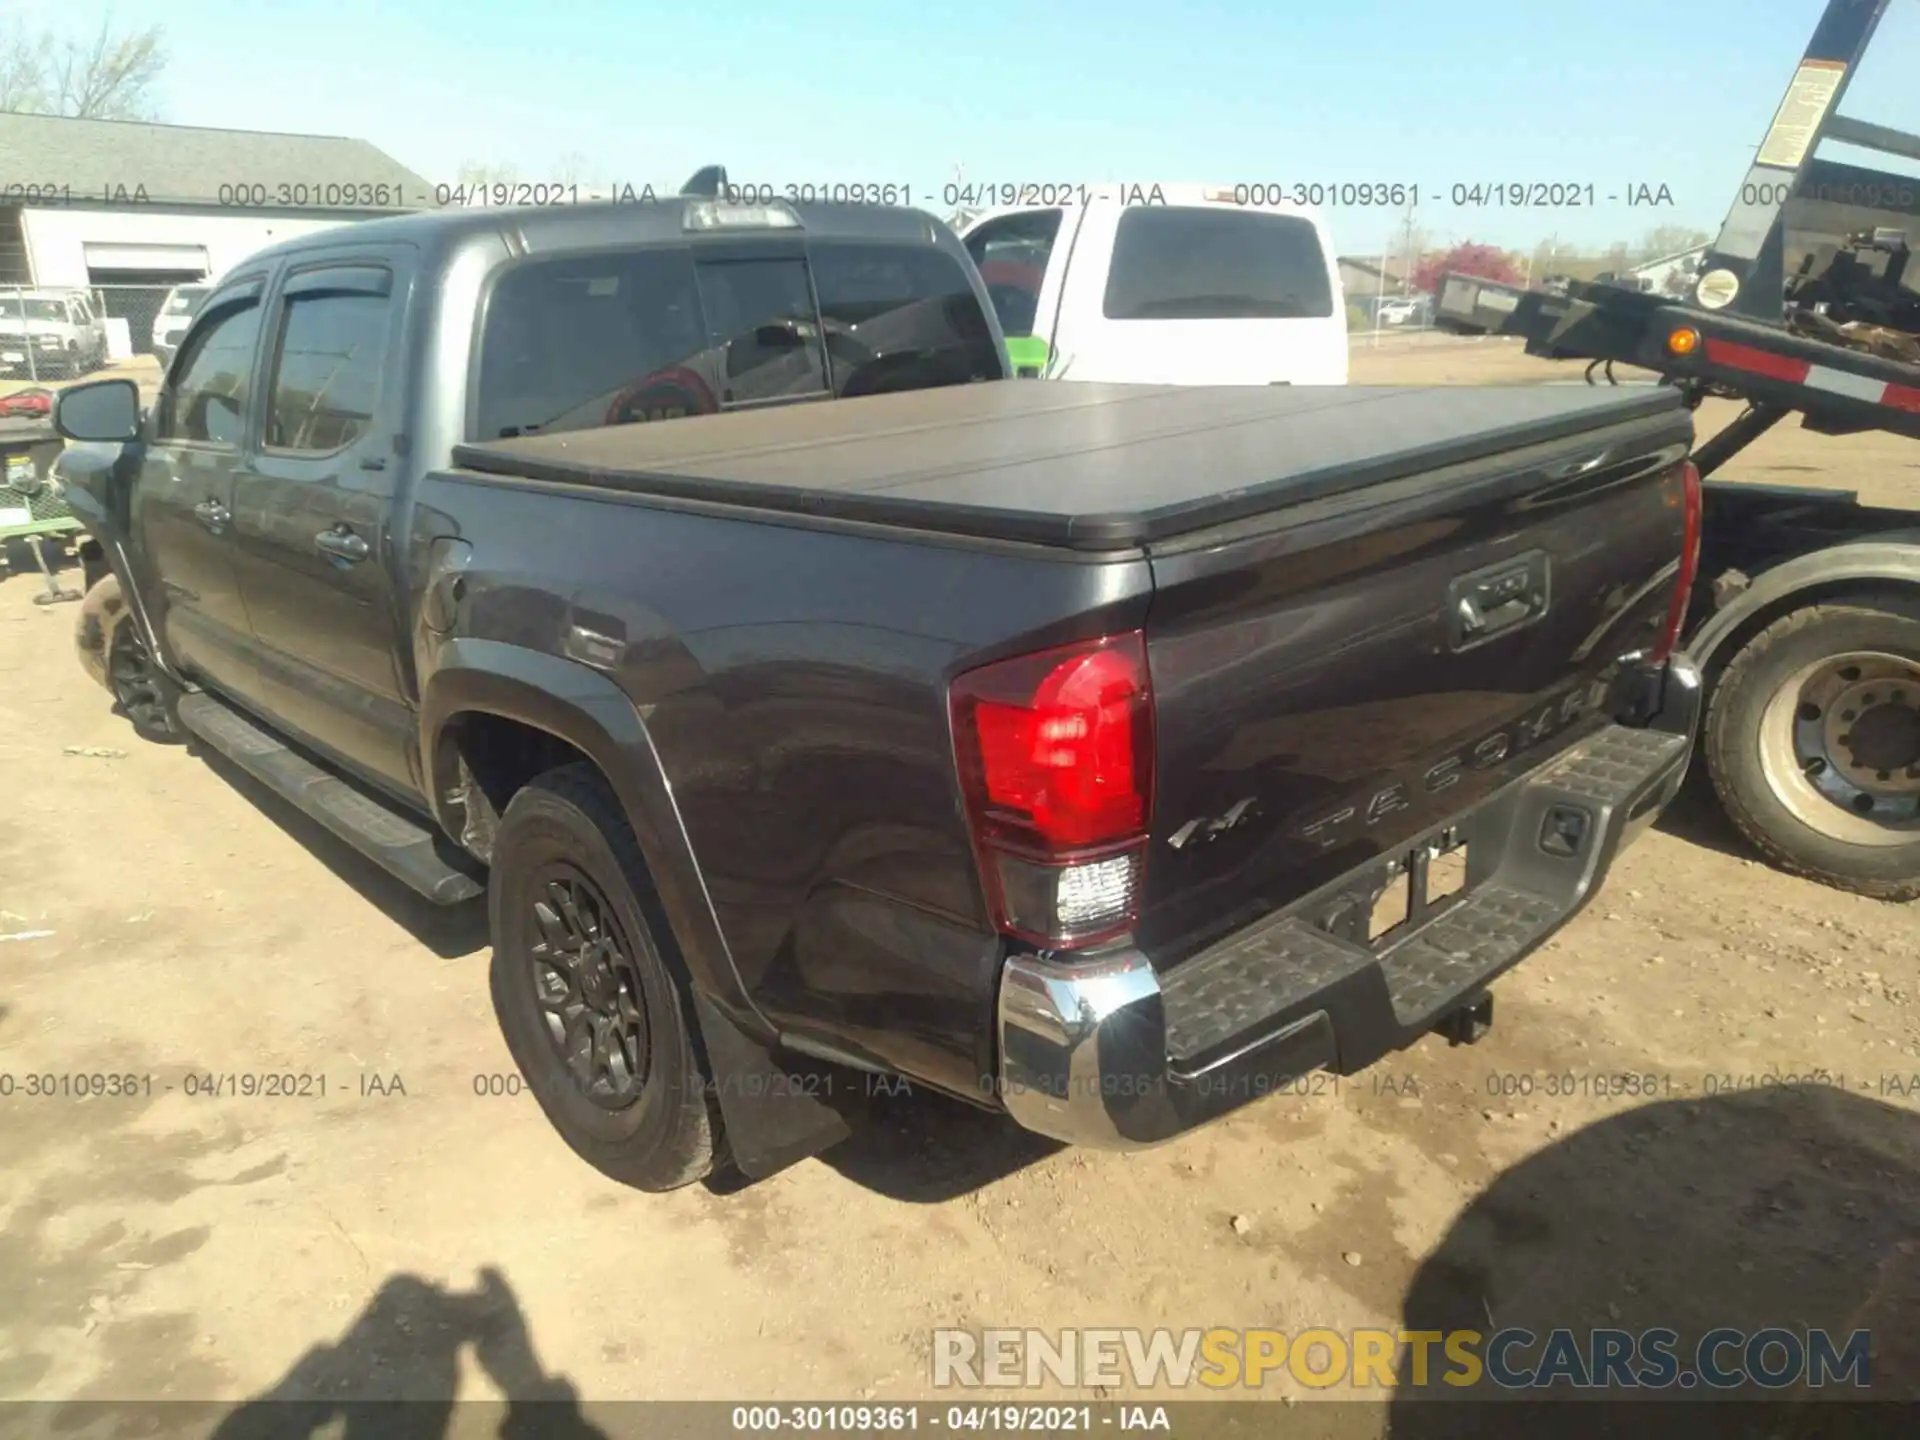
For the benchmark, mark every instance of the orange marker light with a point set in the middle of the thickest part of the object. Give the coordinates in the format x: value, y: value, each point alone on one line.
x: 1683, y: 341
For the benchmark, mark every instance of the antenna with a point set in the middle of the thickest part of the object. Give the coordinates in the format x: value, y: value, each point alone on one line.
x: 708, y: 182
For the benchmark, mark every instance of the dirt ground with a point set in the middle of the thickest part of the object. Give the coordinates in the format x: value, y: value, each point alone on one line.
x: 165, y: 918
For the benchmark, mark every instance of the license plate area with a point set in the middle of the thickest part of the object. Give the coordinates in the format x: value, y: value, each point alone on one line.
x: 1422, y: 882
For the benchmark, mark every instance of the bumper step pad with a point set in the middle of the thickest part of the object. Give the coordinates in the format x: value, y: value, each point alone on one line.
x: 1230, y: 989
x: 1270, y: 977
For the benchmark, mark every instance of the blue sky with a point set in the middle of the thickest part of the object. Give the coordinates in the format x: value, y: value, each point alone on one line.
x: 1616, y: 93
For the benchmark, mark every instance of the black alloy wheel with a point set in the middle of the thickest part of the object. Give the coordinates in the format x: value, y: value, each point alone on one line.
x: 588, y: 988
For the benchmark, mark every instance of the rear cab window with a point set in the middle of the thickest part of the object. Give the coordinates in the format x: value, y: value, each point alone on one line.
x: 900, y: 317
x: 623, y: 337
x: 1182, y: 263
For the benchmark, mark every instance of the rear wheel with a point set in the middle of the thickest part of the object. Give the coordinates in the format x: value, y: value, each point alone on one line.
x: 595, y: 1015
x: 1813, y: 743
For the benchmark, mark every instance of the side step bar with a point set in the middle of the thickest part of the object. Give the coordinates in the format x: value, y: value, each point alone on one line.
x: 391, y: 838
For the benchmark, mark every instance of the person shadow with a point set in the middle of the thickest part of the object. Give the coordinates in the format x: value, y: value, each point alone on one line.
x: 1788, y: 1206
x: 394, y: 1374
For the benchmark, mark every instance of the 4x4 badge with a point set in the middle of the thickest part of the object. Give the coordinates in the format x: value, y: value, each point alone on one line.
x: 1204, y: 829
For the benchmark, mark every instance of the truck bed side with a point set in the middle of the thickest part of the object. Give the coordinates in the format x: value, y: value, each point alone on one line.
x: 793, y: 681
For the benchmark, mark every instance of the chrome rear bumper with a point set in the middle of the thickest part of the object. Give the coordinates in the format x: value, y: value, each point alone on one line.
x: 1100, y: 1049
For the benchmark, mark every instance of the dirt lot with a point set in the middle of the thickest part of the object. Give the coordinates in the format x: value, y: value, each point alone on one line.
x: 164, y: 918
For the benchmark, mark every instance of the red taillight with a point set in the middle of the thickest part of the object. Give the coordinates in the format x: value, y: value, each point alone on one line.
x: 1691, y: 505
x: 1055, y: 752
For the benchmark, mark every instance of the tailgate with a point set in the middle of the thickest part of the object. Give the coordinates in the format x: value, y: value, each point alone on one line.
x: 1333, y: 681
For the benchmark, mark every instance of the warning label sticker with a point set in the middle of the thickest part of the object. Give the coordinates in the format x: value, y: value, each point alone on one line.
x: 1808, y: 99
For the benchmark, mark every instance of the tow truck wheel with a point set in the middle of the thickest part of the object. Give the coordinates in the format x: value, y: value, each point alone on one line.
x: 1813, y: 743
x: 595, y: 1016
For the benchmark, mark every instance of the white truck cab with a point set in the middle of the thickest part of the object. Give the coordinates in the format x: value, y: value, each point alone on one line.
x: 1168, y: 284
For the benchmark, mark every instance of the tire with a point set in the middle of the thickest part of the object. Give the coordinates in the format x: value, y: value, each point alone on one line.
x: 1765, y: 756
x: 113, y: 651
x: 566, y: 828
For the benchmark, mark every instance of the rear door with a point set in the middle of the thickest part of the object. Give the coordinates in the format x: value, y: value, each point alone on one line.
x: 1179, y: 285
x: 1022, y: 257
x: 183, y: 501
x: 311, y: 542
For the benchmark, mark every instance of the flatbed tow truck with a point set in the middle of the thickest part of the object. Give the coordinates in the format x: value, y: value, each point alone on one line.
x: 1805, y: 618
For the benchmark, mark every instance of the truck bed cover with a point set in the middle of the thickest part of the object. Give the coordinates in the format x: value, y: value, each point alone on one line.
x: 1079, y: 465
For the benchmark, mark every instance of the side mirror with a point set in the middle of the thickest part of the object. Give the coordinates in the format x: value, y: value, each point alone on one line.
x: 105, y: 412
x: 1029, y: 355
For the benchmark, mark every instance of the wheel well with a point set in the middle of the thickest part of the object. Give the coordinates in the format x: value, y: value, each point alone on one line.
x: 485, y: 760
x: 1824, y: 592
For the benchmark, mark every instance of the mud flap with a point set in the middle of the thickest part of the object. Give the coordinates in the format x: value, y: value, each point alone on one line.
x: 772, y: 1120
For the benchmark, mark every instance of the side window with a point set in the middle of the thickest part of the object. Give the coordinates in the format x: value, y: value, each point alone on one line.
x: 582, y: 341
x: 900, y: 317
x: 1011, y: 254
x: 760, y: 317
x: 206, y: 401
x: 326, y: 375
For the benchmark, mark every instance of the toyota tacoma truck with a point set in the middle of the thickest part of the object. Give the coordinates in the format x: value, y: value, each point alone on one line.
x: 805, y: 694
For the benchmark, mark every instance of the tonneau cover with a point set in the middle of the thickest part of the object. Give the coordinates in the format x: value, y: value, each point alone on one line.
x: 1066, y: 463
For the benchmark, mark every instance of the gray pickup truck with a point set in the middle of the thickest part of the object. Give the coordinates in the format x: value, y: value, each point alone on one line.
x: 805, y: 695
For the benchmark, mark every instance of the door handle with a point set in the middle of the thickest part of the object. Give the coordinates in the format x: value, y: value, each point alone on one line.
x: 213, y: 515
x: 1499, y: 598
x: 343, y: 544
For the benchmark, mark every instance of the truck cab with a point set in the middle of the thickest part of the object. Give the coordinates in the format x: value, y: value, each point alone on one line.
x: 1168, y: 284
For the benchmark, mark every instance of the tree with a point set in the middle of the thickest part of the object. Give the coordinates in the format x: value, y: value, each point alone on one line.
x: 110, y: 77
x: 1410, y: 242
x: 475, y: 173
x: 1665, y: 240
x: 1489, y: 262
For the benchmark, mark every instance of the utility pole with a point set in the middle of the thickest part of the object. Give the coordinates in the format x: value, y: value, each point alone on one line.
x: 1406, y: 250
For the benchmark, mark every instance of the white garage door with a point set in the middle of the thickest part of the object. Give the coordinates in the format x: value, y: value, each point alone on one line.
x: 182, y: 259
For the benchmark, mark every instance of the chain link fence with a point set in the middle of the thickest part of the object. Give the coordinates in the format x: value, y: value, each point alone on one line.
x: 51, y: 333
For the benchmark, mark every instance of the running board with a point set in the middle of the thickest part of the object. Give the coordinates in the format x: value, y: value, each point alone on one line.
x: 386, y: 835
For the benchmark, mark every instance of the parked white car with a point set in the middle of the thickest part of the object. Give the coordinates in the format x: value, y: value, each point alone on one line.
x: 50, y: 334
x: 176, y: 314
x: 1399, y: 311
x: 1167, y: 284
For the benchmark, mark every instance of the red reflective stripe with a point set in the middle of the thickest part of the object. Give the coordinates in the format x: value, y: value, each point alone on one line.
x: 1902, y: 397
x: 1760, y: 362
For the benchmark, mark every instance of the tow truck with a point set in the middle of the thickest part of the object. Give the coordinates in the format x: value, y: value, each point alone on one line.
x: 1805, y: 613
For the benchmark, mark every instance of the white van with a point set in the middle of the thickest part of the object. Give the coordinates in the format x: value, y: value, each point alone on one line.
x: 1168, y: 284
